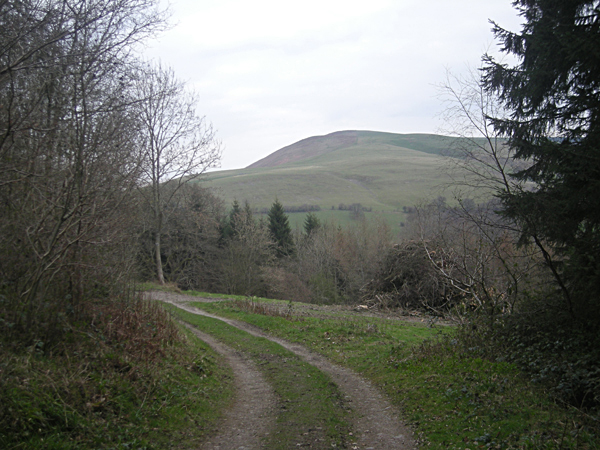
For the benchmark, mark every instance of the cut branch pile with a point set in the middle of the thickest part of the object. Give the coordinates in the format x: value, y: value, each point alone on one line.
x: 408, y: 280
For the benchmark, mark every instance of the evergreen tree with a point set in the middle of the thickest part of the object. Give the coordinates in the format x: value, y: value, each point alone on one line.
x: 228, y: 229
x: 552, y: 95
x: 311, y: 223
x: 280, y: 231
x: 248, y: 215
x: 235, y: 212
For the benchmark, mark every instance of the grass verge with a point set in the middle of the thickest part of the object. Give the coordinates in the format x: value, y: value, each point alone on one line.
x: 126, y: 379
x: 310, y: 410
x: 455, y: 400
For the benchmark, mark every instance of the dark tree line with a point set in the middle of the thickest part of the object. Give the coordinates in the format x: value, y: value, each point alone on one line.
x: 294, y: 209
x: 207, y: 248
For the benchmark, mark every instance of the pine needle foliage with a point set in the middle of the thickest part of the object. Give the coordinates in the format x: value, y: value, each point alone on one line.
x: 552, y: 95
x: 280, y: 231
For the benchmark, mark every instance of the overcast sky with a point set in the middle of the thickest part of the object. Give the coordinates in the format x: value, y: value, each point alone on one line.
x: 272, y: 72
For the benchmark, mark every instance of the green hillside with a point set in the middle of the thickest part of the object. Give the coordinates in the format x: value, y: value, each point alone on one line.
x: 381, y: 171
x: 319, y: 145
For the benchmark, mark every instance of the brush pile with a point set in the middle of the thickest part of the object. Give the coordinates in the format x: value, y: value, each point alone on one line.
x: 407, y: 279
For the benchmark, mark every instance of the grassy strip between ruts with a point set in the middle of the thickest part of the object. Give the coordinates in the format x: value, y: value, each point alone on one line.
x: 453, y: 399
x: 310, y: 410
x: 128, y: 388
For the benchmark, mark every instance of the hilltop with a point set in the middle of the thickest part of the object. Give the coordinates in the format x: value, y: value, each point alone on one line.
x: 317, y: 146
x: 384, y: 172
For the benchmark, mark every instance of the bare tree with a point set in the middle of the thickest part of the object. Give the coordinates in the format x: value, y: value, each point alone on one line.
x: 481, y: 159
x: 476, y: 249
x: 68, y: 144
x: 177, y: 147
x: 477, y: 255
x: 30, y: 30
x: 486, y: 162
x: 336, y: 263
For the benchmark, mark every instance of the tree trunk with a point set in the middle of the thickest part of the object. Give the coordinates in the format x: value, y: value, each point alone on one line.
x: 157, y: 250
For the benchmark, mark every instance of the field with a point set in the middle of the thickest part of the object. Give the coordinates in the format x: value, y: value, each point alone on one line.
x: 395, y: 219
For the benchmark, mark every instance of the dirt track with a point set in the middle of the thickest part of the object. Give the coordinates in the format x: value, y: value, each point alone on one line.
x: 376, y: 426
x: 251, y: 418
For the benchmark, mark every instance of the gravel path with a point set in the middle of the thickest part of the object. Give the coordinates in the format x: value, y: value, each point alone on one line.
x: 376, y: 425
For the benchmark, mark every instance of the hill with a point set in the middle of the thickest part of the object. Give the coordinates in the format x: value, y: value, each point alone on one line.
x: 384, y: 172
x: 320, y: 145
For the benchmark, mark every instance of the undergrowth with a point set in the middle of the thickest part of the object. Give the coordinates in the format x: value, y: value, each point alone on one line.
x: 487, y: 403
x: 558, y: 353
x: 123, y: 376
x: 253, y: 306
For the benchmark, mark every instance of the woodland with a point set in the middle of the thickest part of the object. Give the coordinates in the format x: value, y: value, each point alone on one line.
x: 102, y: 157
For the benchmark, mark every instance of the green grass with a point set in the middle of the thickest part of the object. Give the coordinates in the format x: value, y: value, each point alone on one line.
x: 394, y: 219
x: 310, y: 407
x: 384, y: 171
x: 453, y: 399
x: 155, y: 286
x: 94, y: 390
x: 318, y: 146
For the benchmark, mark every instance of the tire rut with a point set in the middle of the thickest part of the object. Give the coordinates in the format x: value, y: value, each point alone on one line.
x: 252, y: 416
x: 376, y: 425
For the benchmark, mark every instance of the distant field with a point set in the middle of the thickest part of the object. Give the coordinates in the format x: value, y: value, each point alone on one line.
x: 395, y: 220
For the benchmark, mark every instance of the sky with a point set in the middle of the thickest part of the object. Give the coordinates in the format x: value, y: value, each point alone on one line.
x: 269, y: 73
